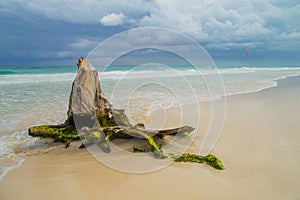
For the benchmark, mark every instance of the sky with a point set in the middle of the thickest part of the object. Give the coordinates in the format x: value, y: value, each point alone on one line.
x: 58, y: 32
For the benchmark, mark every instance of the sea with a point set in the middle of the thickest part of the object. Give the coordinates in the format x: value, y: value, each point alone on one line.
x: 34, y: 95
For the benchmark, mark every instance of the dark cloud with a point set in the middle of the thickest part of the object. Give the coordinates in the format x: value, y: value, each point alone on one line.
x: 37, y: 40
x: 57, y: 32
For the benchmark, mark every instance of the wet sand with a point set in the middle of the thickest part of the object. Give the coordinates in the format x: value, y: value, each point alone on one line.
x: 259, y: 146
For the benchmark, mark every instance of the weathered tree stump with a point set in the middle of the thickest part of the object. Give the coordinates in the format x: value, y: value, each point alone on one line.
x: 93, y: 119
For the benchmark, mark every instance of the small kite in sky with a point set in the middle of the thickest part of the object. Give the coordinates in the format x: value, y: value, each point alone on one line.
x: 246, y: 51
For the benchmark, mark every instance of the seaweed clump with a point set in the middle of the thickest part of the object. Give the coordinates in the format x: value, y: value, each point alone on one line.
x: 210, y: 159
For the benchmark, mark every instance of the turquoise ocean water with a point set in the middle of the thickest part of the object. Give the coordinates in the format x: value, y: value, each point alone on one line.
x: 39, y: 95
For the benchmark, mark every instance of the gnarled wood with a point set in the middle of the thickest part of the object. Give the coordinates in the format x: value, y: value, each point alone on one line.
x: 103, y: 135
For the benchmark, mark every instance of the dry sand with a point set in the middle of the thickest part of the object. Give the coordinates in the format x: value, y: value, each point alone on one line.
x: 259, y: 146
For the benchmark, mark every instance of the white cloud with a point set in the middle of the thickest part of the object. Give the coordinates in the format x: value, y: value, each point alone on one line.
x: 113, y: 19
x: 63, y: 54
x: 225, y: 24
x: 83, y: 43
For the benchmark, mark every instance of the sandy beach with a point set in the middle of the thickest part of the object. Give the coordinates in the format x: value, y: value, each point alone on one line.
x: 259, y: 146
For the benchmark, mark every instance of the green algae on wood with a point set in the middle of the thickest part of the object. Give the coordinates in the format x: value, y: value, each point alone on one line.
x: 60, y: 133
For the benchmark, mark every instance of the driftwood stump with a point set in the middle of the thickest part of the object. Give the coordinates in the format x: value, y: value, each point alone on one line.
x: 93, y: 119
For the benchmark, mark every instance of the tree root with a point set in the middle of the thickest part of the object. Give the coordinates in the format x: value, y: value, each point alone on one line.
x: 103, y: 137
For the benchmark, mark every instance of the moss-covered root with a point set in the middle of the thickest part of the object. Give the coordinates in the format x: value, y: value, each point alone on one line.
x: 60, y: 133
x: 211, y: 160
x: 96, y: 137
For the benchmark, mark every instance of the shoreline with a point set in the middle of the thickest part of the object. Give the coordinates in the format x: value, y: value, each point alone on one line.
x: 257, y: 166
x: 277, y: 82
